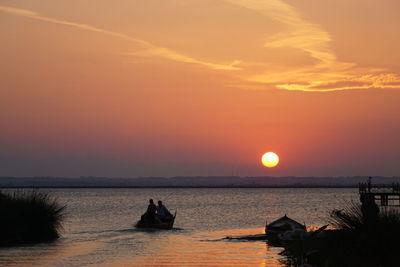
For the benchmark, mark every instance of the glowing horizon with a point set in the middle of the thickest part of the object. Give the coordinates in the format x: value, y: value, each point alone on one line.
x: 198, y: 87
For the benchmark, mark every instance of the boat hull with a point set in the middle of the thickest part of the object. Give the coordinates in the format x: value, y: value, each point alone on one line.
x: 158, y: 224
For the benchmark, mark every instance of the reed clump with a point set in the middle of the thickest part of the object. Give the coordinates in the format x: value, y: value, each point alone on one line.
x: 359, y: 237
x: 29, y: 217
x: 367, y: 236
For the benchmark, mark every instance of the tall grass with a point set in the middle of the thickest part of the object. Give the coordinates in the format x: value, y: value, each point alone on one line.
x: 370, y: 238
x: 359, y: 239
x: 29, y: 217
x: 383, y: 228
x: 348, y: 219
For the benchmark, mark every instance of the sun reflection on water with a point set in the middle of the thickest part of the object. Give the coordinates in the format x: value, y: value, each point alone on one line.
x: 208, y: 249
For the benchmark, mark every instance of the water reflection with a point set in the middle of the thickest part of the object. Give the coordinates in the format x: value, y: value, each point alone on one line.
x: 99, y: 227
x: 207, y: 249
x: 48, y: 254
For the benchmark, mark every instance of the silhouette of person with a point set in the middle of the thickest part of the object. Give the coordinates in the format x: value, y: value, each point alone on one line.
x: 163, y: 212
x: 150, y: 214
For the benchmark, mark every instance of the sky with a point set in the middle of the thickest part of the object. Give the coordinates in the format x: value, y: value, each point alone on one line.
x: 131, y: 88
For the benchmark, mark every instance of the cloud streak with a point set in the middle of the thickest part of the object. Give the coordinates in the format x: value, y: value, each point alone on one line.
x: 149, y: 49
x: 301, y: 34
x: 328, y: 74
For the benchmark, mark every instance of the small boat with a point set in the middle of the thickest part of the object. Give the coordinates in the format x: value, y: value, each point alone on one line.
x: 285, y: 229
x: 157, y: 224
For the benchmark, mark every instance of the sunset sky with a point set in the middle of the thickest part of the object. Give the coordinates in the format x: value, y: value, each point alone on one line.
x: 199, y: 87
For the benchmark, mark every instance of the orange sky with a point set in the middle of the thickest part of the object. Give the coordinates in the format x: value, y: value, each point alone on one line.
x: 199, y: 87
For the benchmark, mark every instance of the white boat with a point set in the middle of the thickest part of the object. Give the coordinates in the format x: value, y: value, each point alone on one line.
x: 285, y: 229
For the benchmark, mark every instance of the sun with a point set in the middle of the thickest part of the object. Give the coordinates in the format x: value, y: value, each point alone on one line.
x: 270, y: 159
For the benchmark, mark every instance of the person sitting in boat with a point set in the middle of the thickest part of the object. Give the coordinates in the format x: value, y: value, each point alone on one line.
x: 162, y: 212
x: 150, y: 214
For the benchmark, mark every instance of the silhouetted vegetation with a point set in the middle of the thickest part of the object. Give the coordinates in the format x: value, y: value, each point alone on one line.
x: 357, y: 240
x: 29, y: 217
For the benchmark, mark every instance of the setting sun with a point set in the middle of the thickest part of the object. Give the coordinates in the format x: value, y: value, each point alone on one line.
x: 270, y: 159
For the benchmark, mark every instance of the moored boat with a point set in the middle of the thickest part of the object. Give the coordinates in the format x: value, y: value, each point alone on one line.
x: 285, y: 229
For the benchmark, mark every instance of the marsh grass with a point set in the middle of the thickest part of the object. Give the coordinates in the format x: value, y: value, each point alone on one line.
x: 348, y: 219
x: 29, y: 217
x: 356, y: 240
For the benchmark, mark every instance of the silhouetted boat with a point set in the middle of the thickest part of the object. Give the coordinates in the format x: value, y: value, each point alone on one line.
x: 157, y: 224
x: 285, y: 229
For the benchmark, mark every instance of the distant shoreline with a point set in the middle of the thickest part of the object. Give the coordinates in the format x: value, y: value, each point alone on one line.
x: 161, y: 187
x: 192, y: 182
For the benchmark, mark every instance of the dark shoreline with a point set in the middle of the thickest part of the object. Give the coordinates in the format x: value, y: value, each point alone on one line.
x: 200, y: 187
x: 191, y: 182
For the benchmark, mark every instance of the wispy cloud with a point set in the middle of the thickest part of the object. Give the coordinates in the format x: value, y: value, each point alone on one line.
x: 327, y: 74
x: 301, y: 34
x: 172, y: 55
x: 149, y: 49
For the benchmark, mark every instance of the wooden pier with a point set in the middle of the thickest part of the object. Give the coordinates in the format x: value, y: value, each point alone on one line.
x: 385, y: 195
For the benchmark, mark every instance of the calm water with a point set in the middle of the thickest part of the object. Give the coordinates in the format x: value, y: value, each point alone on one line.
x: 99, y: 229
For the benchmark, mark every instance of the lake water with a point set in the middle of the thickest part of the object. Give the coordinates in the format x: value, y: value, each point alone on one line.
x: 98, y: 230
